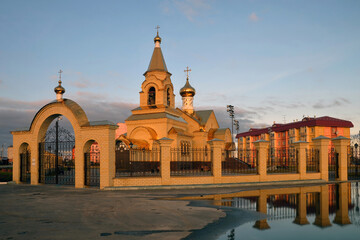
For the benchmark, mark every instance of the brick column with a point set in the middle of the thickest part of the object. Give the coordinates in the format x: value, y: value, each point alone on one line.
x: 342, y: 214
x: 321, y: 143
x: 261, y: 206
x: 262, y: 148
x: 165, y: 157
x: 216, y: 146
x: 300, y: 148
x: 341, y: 147
x: 301, y: 209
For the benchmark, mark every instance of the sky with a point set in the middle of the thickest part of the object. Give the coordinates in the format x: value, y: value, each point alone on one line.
x: 272, y: 60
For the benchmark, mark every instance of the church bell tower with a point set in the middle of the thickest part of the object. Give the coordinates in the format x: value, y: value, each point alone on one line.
x: 157, y: 89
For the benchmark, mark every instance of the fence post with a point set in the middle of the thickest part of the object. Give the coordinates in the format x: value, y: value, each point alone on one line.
x: 262, y: 147
x: 322, y: 144
x: 341, y: 147
x: 300, y: 148
x: 165, y: 158
x: 216, y: 148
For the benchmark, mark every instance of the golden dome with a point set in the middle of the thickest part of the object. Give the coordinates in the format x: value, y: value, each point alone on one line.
x: 157, y: 38
x: 187, y: 90
x: 59, y: 89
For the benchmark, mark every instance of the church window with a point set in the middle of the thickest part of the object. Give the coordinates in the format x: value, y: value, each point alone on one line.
x: 168, y: 97
x: 151, y: 96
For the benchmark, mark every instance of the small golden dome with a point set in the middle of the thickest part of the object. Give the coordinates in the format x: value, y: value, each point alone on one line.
x: 187, y: 90
x: 157, y: 38
x: 59, y: 89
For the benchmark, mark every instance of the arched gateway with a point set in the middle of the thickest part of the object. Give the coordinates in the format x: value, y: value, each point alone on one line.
x: 69, y: 165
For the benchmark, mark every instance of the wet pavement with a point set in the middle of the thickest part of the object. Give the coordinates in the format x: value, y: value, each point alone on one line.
x: 59, y: 212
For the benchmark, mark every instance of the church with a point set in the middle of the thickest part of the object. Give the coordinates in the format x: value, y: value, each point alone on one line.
x: 157, y: 117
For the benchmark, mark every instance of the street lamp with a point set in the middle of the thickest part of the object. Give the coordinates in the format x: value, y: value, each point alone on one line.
x: 237, y: 126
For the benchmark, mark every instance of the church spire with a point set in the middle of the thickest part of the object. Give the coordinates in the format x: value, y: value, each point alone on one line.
x: 187, y: 93
x: 157, y: 62
x: 59, y: 90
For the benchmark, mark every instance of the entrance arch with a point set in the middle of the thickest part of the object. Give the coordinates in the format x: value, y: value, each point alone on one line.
x: 102, y: 131
x: 25, y: 163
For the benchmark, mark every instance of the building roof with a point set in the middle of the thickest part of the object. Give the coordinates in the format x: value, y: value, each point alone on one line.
x: 136, y: 117
x: 203, y: 115
x: 157, y: 62
x: 305, y: 122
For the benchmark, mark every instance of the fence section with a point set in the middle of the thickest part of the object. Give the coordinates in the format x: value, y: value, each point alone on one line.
x: 312, y: 160
x: 282, y: 160
x: 137, y: 163
x: 353, y: 163
x: 245, y: 163
x: 190, y: 162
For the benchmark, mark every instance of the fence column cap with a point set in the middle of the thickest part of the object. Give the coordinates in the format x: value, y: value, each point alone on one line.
x: 299, y: 142
x: 320, y: 137
x: 340, y: 138
x: 216, y: 142
x: 261, y: 140
x: 165, y: 141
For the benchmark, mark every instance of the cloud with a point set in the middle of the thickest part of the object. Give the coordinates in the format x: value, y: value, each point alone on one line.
x: 253, y: 17
x: 191, y: 8
x: 335, y: 103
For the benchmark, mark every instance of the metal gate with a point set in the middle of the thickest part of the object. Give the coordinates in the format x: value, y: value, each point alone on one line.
x: 25, y: 166
x: 57, y: 162
x: 122, y: 156
x: 92, y: 169
x: 333, y: 164
x: 57, y: 156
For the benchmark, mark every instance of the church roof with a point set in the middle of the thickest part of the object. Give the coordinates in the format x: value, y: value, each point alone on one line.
x: 154, y: 116
x: 157, y: 62
x: 203, y: 116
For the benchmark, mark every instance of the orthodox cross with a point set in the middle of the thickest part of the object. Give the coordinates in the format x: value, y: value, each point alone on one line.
x: 187, y: 72
x: 60, y: 75
x: 157, y: 29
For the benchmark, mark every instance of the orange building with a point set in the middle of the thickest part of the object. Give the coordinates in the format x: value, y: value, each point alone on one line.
x: 284, y: 135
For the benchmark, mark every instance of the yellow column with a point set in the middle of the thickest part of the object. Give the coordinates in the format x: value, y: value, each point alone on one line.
x: 322, y: 144
x: 107, y: 157
x: 165, y: 157
x: 34, y: 162
x: 80, y: 164
x: 262, y: 147
x: 262, y: 207
x: 322, y: 208
x: 341, y: 147
x: 342, y: 214
x: 16, y: 160
x: 216, y: 148
x: 300, y: 148
x: 301, y: 209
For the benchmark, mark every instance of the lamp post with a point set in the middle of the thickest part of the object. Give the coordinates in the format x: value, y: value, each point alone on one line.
x: 230, y: 110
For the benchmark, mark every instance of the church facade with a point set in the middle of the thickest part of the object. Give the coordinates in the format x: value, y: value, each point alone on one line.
x: 157, y: 117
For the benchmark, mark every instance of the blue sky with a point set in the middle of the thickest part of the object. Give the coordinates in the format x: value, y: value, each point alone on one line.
x: 272, y: 60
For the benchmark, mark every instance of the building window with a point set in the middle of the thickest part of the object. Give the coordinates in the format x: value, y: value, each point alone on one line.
x: 151, y: 96
x: 168, y: 97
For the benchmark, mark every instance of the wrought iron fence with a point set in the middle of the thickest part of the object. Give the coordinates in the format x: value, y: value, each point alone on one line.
x: 282, y: 160
x: 137, y: 162
x: 245, y: 163
x: 92, y: 169
x: 190, y: 162
x: 353, y: 163
x: 312, y: 160
x: 333, y: 164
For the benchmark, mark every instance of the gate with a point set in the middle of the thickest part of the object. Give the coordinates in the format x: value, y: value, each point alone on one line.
x: 25, y: 166
x: 353, y: 163
x: 333, y: 164
x: 57, y: 156
x: 92, y: 169
x: 57, y: 162
x: 122, y: 156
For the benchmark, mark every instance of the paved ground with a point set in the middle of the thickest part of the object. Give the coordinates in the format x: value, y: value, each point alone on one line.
x: 59, y: 212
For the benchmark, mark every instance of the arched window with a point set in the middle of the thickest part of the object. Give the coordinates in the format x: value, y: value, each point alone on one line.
x: 168, y: 97
x: 151, y: 96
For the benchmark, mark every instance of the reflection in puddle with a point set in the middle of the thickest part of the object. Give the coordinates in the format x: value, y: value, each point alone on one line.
x: 315, y: 212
